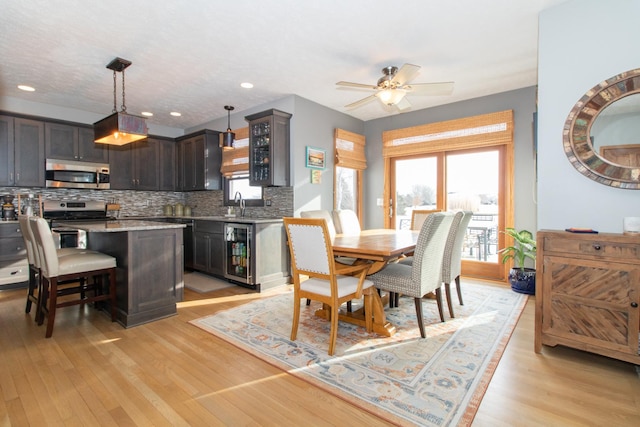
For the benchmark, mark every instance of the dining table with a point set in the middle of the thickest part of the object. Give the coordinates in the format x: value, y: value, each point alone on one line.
x: 375, y: 247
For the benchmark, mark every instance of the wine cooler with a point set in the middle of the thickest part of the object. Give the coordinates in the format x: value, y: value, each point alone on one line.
x: 237, y: 253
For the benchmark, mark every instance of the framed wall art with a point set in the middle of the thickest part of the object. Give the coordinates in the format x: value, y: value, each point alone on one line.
x: 315, y: 158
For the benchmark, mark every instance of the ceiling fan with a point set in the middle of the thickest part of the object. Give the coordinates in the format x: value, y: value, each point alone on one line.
x: 393, y: 86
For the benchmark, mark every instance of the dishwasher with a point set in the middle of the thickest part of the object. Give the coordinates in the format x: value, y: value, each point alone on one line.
x: 237, y: 253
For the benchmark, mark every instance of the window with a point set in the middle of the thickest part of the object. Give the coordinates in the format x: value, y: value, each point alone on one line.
x: 350, y: 162
x: 240, y: 183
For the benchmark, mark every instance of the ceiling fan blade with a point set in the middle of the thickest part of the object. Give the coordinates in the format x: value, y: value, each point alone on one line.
x: 407, y: 73
x: 440, y: 88
x: 403, y: 104
x: 356, y: 85
x: 361, y: 102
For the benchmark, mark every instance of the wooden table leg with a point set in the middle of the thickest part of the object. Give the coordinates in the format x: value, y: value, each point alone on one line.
x: 379, y: 325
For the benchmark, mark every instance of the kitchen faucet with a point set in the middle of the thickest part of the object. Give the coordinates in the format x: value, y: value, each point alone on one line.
x: 240, y: 201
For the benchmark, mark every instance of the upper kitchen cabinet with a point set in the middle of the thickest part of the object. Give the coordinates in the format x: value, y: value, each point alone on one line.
x: 66, y: 142
x: 6, y: 150
x: 269, y: 148
x: 199, y: 161
x: 143, y: 165
x: 29, y: 160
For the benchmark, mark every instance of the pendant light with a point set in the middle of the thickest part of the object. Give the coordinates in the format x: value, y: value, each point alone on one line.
x: 228, y: 136
x: 119, y: 128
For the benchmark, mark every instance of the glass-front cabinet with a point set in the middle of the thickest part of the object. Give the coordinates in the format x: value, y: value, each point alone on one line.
x: 269, y: 148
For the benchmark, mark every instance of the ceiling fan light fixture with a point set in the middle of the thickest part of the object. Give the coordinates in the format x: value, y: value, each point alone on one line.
x: 391, y: 96
x: 120, y: 128
x: 228, y: 136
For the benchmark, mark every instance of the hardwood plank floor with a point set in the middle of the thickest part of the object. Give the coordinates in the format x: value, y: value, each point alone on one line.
x: 169, y: 373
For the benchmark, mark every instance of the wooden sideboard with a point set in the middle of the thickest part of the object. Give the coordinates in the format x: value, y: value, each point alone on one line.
x: 588, y: 292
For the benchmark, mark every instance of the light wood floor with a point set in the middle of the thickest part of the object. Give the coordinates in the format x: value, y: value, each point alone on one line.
x: 169, y: 373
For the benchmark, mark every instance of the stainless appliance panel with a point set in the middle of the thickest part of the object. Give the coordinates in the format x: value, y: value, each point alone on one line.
x: 237, y: 256
x: 72, y: 174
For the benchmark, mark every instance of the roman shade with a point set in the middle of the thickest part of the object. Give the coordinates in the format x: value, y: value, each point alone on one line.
x: 349, y: 150
x: 470, y: 132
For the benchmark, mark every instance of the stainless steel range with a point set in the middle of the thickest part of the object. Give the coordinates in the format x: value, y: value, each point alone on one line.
x: 56, y: 211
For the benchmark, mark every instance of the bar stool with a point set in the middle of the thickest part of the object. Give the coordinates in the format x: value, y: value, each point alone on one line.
x: 34, y: 265
x: 56, y: 269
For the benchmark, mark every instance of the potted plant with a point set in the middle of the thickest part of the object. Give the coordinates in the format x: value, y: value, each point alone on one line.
x: 521, y: 278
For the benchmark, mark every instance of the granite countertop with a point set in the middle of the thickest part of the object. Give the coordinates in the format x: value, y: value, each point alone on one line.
x: 117, y: 226
x: 234, y: 219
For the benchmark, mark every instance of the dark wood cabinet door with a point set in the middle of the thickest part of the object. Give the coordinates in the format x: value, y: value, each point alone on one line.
x: 216, y: 255
x: 29, y: 160
x: 145, y: 154
x: 88, y: 150
x: 6, y: 150
x: 201, y: 251
x: 61, y: 141
x: 121, y: 168
x: 167, y: 165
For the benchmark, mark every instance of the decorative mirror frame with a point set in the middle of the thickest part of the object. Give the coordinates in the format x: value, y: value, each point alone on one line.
x: 576, y: 134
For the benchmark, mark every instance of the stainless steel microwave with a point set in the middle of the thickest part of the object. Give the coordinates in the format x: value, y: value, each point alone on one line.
x: 72, y: 174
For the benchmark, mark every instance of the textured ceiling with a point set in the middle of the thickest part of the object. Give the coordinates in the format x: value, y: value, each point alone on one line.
x: 191, y: 56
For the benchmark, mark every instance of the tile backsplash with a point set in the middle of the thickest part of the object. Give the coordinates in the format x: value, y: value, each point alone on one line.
x: 151, y: 203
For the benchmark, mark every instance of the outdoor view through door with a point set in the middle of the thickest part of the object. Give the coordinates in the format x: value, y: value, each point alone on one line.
x: 461, y: 164
x: 470, y: 183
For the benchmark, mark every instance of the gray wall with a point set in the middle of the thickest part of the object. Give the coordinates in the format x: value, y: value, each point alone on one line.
x: 521, y: 101
x: 582, y: 43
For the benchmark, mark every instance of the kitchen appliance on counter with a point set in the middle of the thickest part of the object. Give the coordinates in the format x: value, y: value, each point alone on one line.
x: 72, y: 174
x: 237, y: 254
x: 8, y: 208
x: 56, y: 211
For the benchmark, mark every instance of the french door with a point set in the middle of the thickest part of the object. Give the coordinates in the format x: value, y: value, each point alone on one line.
x: 469, y: 179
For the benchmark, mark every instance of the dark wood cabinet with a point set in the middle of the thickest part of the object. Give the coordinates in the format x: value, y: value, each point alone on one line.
x: 6, y: 151
x: 66, y: 142
x: 29, y: 159
x: 199, y: 161
x: 144, y: 165
x: 208, y: 247
x: 14, y: 267
x: 149, y: 272
x: 269, y: 148
x: 268, y: 258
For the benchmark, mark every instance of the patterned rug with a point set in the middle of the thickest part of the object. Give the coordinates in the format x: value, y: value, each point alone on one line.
x: 437, y: 381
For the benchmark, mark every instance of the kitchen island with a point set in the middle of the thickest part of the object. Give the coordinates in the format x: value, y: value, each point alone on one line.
x: 149, y: 272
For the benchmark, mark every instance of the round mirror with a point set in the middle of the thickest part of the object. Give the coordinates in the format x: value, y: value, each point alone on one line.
x: 601, y: 135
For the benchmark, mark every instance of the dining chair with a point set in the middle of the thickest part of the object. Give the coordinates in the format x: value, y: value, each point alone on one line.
x: 452, y: 261
x: 419, y: 215
x: 346, y: 222
x: 424, y: 275
x: 328, y: 217
x: 65, y: 275
x: 328, y: 282
x: 324, y: 214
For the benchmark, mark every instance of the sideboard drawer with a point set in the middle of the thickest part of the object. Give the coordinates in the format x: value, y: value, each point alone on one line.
x: 592, y: 247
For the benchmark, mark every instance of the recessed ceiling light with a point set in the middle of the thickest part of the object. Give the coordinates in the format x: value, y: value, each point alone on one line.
x: 147, y: 113
x: 26, y: 88
x: 175, y: 114
x: 246, y: 85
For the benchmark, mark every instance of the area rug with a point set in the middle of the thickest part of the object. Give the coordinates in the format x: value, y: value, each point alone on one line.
x: 202, y: 283
x: 407, y: 380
